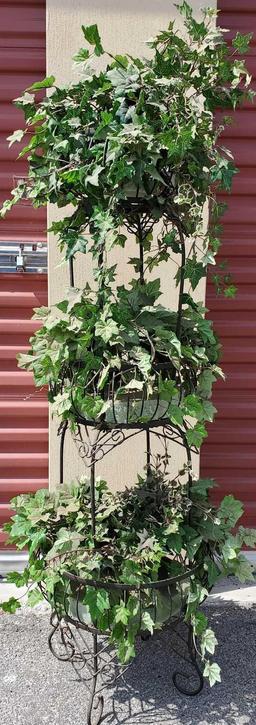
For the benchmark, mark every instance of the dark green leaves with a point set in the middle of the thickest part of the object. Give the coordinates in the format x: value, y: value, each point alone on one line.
x: 241, y: 42
x: 230, y: 510
x: 92, y: 36
x: 10, y: 606
x: 194, y: 271
x: 223, y: 171
x: 82, y: 55
x: 97, y: 600
x: 196, y: 435
x: 34, y: 597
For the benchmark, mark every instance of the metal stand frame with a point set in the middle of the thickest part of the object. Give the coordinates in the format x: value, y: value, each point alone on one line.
x: 71, y: 639
x: 86, y: 648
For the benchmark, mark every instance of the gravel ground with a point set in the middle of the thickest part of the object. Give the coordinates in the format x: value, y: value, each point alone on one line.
x: 36, y: 689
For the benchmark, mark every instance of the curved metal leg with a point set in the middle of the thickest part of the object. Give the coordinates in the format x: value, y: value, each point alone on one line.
x: 96, y: 702
x: 182, y: 679
x: 64, y: 650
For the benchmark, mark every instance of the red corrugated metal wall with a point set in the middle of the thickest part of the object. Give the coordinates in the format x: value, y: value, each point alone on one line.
x: 23, y: 411
x: 229, y: 454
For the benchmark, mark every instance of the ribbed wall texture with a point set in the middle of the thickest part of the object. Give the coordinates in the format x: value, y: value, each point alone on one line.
x: 23, y: 411
x: 229, y: 454
x: 22, y: 61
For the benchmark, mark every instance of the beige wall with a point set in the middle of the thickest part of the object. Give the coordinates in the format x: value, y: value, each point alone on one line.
x: 123, y: 25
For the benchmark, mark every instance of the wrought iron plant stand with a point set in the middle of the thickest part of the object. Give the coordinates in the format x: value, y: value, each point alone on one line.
x: 72, y: 638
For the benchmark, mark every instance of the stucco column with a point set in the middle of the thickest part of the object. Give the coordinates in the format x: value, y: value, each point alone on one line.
x: 124, y: 25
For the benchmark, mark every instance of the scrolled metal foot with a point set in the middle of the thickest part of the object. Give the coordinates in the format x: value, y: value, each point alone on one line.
x: 180, y: 677
x: 63, y: 650
x: 96, y: 703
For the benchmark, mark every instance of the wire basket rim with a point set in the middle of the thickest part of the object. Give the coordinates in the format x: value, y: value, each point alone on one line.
x: 109, y: 585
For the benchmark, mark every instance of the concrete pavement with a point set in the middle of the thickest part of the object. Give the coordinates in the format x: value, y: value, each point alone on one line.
x: 36, y: 689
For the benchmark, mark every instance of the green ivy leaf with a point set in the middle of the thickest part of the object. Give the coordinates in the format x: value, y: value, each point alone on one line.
x: 97, y: 600
x: 244, y: 570
x: 147, y: 622
x: 194, y: 271
x: 91, y: 34
x: 212, y: 672
x: 196, y: 435
x: 241, y: 42
x: 205, y: 383
x: 10, y: 606
x: 126, y: 650
x: 230, y: 291
x: 213, y: 572
x: 208, y: 642
x: 247, y: 536
x: 122, y: 613
x: 81, y: 56
x: 17, y: 578
x: 36, y: 540
x: 230, y: 511
x: 192, y: 406
x: 107, y: 329
x: 209, y: 410
x: 228, y: 551
x: 199, y: 622
x: 201, y: 486
x: 45, y: 83
x: 167, y: 389
x: 175, y: 414
x: 34, y: 597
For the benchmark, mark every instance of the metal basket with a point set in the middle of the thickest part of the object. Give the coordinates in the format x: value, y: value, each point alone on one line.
x: 78, y: 641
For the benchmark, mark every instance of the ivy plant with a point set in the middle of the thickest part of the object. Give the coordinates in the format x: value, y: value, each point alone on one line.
x: 132, y: 151
x: 80, y: 347
x: 142, y: 535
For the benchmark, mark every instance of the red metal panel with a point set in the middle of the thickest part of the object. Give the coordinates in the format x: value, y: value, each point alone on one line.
x: 229, y: 454
x: 22, y: 61
x: 23, y: 410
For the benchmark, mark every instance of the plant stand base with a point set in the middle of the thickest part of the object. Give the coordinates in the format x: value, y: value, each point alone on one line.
x: 96, y: 665
x: 188, y: 681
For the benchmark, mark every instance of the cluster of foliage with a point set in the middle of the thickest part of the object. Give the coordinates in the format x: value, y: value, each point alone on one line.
x: 141, y: 536
x: 141, y: 128
x: 133, y: 149
x: 81, y: 349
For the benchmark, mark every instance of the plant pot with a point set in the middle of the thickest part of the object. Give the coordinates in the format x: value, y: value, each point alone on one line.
x: 168, y: 603
x: 133, y: 409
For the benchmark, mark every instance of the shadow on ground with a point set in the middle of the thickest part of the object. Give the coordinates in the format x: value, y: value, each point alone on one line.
x: 36, y: 689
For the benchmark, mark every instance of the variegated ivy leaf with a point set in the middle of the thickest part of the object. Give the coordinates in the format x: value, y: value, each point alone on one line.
x: 244, y: 569
x: 15, y: 137
x: 208, y: 642
x: 147, y: 622
x: 212, y: 673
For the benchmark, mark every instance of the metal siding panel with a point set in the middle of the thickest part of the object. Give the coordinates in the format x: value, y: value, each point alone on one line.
x: 229, y: 454
x: 22, y: 61
x: 23, y: 409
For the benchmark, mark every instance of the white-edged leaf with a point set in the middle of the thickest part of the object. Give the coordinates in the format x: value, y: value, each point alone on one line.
x: 212, y: 672
x: 208, y: 642
x: 16, y: 136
